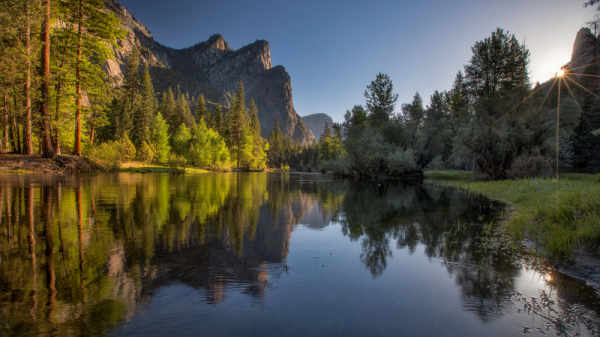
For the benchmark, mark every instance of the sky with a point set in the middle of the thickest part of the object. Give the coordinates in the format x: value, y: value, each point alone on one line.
x: 334, y: 49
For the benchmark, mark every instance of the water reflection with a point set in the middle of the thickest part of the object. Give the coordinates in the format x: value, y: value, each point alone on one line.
x: 81, y: 254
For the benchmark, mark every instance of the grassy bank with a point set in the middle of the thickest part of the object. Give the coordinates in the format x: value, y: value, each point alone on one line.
x: 134, y: 167
x: 558, y: 216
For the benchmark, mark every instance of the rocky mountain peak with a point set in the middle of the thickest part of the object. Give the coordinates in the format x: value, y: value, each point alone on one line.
x: 213, y: 69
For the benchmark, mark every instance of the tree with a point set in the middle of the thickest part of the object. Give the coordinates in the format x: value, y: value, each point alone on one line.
x: 181, y: 141
x: 237, y: 121
x: 97, y: 29
x: 145, y: 113
x: 276, y: 139
x: 200, y: 108
x: 131, y: 85
x: 259, y: 156
x: 381, y: 101
x: 159, y: 138
x: 217, y: 123
x: 47, y: 148
x: 498, y: 63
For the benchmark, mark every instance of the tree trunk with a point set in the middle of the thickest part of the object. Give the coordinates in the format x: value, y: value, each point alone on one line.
x: 5, y: 131
x: 57, y: 118
x: 77, y: 143
x: 16, y: 131
x: 27, y: 143
x: 47, y: 148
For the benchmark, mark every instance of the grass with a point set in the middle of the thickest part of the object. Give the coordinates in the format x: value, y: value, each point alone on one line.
x: 146, y: 168
x: 559, y: 217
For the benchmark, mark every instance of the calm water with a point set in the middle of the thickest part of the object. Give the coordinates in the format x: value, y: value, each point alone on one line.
x: 258, y: 254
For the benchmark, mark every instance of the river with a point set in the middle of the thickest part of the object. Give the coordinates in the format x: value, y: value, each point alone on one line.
x: 266, y: 254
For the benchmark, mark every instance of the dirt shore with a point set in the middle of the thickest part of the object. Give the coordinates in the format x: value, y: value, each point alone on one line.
x: 36, y: 163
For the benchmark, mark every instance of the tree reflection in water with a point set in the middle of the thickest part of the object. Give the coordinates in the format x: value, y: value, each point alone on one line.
x: 80, y: 254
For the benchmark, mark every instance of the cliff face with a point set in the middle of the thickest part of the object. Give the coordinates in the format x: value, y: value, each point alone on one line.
x: 316, y: 123
x: 213, y: 69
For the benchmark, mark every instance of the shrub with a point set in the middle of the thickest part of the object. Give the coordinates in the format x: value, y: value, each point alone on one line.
x: 145, y: 153
x: 177, y: 162
x: 399, y: 162
x: 108, y: 155
x: 531, y: 165
x: 285, y: 167
x: 127, y: 149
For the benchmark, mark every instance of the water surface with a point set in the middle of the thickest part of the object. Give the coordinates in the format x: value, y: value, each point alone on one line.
x: 260, y: 254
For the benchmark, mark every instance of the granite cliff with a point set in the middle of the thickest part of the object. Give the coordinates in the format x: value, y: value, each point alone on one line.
x: 316, y: 123
x: 213, y: 69
x: 584, y: 47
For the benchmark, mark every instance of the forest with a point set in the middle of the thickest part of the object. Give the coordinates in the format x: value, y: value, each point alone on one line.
x: 57, y: 99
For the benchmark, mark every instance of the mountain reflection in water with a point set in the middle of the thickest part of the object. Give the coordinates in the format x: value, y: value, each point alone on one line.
x: 94, y: 255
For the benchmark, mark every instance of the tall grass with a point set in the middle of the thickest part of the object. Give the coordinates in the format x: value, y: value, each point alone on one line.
x: 558, y: 216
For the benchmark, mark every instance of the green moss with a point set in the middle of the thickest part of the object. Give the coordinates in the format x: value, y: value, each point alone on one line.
x: 559, y: 216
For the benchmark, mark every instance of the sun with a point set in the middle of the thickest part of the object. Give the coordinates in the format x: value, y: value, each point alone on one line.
x: 560, y: 73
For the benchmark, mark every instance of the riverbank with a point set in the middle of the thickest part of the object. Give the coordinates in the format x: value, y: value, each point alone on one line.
x: 559, y: 219
x: 36, y: 163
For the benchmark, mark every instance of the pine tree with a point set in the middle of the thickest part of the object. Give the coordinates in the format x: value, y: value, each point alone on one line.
x: 132, y: 78
x: 144, y: 114
x: 47, y: 148
x: 200, y: 112
x: 96, y: 30
x: 381, y: 100
x: 217, y: 123
x: 276, y: 140
x: 159, y: 138
x: 237, y: 117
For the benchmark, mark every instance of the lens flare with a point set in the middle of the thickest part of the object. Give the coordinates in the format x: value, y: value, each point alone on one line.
x: 560, y: 73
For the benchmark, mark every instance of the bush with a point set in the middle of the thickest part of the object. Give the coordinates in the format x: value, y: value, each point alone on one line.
x: 127, y: 149
x: 108, y: 155
x: 177, y: 162
x: 337, y: 166
x: 533, y: 165
x: 399, y: 162
x: 145, y: 153
x: 285, y: 167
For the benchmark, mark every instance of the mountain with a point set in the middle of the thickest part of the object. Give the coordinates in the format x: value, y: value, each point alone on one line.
x: 213, y: 69
x: 316, y: 123
x: 582, y: 55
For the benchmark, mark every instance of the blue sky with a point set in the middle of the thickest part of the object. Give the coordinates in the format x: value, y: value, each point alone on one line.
x: 333, y: 49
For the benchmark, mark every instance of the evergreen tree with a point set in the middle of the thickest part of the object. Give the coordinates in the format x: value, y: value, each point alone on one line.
x: 498, y: 63
x: 145, y: 113
x: 97, y: 29
x: 159, y: 138
x: 276, y: 145
x: 381, y: 100
x: 131, y: 76
x: 217, y: 122
x: 237, y: 118
x: 168, y: 105
x: 200, y: 112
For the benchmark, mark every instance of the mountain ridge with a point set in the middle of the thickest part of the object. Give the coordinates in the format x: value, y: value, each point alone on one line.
x: 214, y: 69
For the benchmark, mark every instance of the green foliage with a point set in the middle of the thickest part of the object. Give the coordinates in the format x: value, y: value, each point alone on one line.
x: 145, y: 153
x: 127, y: 149
x: 159, y: 139
x: 531, y: 165
x: 499, y: 63
x: 381, y: 101
x: 559, y: 216
x: 181, y: 141
x: 177, y: 162
x: 201, y: 112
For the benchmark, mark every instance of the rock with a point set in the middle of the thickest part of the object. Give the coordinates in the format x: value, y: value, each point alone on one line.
x: 316, y: 123
x: 213, y: 69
